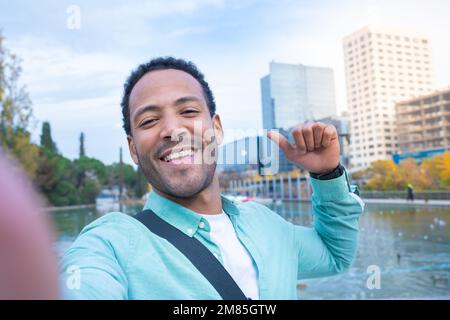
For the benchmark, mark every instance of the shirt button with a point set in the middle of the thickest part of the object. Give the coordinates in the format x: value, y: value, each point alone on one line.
x: 201, y: 225
x: 190, y: 231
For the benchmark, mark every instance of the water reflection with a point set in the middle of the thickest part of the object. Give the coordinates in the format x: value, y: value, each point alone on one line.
x: 410, y: 245
x: 69, y: 223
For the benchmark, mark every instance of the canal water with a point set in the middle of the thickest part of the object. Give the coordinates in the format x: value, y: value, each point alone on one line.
x: 407, y: 246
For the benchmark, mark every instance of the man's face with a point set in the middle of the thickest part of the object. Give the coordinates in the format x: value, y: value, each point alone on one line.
x: 165, y: 106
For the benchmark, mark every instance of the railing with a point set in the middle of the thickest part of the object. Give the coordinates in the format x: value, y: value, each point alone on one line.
x: 424, y: 195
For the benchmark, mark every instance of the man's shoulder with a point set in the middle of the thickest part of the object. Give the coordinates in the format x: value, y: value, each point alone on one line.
x: 114, y: 234
x: 258, y: 211
x: 252, y: 207
x: 111, y: 222
x: 114, y: 230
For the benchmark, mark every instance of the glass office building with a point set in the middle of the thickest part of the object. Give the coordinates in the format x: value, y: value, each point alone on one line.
x: 295, y: 93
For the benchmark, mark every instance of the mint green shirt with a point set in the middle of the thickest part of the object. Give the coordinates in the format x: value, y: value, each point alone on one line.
x: 117, y: 257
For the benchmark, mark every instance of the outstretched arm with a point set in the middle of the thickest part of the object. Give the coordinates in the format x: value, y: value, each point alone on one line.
x: 28, y: 264
x: 331, y: 245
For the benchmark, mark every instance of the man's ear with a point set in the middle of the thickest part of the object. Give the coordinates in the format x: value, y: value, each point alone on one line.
x: 132, y: 148
x: 218, y: 129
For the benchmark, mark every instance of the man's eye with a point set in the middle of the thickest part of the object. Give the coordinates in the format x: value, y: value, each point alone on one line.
x: 190, y: 111
x: 146, y: 122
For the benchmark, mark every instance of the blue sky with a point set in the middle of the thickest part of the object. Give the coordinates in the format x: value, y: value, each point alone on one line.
x: 75, y: 77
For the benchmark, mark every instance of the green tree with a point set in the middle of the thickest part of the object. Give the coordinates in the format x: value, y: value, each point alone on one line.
x: 46, y: 138
x: 64, y: 194
x: 90, y: 175
x: 89, y: 191
x: 55, y: 179
x: 130, y: 178
x: 82, y: 152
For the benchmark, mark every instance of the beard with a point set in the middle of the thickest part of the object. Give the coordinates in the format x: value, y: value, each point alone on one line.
x: 180, y: 183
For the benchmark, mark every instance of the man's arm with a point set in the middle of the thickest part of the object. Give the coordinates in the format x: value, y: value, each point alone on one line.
x: 90, y: 268
x: 331, y: 245
x: 28, y: 263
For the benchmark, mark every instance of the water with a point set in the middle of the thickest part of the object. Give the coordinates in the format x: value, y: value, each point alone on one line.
x: 409, y: 244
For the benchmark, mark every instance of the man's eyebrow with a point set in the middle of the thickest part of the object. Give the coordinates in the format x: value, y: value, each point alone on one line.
x: 145, y: 109
x: 186, y: 99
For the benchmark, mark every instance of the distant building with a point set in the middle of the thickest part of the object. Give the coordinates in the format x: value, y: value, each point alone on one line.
x: 108, y: 199
x: 293, y: 93
x: 240, y: 155
x: 250, y: 157
x: 423, y: 123
x: 382, y: 67
x: 247, y: 157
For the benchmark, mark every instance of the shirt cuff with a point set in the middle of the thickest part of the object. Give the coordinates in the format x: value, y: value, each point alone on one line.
x: 330, y: 190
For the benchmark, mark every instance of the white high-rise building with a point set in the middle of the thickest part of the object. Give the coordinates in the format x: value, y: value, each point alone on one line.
x: 382, y: 67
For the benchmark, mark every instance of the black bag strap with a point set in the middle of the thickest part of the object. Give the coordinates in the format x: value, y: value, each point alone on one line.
x: 200, y: 256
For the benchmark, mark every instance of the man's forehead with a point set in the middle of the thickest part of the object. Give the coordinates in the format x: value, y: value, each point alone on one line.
x: 162, y: 82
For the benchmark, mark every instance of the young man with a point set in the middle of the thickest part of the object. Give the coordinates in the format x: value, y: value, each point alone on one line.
x: 170, y: 120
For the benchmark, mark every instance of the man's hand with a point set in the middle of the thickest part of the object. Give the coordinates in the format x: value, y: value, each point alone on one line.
x: 316, y: 147
x: 28, y: 262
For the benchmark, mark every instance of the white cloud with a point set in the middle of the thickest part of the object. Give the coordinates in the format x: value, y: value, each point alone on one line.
x: 51, y: 69
x: 75, y: 91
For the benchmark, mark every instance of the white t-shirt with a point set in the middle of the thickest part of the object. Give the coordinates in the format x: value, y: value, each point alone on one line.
x: 237, y: 260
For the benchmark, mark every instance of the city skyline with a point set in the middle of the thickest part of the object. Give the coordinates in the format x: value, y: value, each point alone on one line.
x: 383, y: 66
x: 75, y: 77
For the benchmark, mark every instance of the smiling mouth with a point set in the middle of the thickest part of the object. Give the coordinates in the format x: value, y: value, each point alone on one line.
x: 178, y: 156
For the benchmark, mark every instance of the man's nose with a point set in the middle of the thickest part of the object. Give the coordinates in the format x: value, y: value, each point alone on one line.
x: 172, y: 129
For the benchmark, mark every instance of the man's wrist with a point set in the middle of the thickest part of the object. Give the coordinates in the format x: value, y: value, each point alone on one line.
x: 335, y: 173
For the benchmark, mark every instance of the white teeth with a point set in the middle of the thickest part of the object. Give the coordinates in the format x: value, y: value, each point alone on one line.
x: 176, y: 155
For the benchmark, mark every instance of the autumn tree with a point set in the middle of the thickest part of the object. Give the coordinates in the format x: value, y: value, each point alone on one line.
x: 15, y: 113
x: 438, y: 169
x: 410, y: 173
x: 382, y: 176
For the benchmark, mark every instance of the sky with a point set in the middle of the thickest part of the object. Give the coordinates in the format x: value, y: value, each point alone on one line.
x: 74, y: 66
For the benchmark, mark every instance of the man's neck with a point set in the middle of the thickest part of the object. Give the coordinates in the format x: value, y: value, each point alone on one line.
x: 206, y: 202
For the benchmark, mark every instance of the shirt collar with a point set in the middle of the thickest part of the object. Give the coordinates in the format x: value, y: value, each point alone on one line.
x: 181, y: 217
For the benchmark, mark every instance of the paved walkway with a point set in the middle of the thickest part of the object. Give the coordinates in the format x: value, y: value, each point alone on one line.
x: 405, y: 202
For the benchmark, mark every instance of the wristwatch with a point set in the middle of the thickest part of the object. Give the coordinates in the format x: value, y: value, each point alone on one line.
x: 339, y: 171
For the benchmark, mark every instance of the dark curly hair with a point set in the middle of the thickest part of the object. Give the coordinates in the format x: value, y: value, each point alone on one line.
x: 163, y: 63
